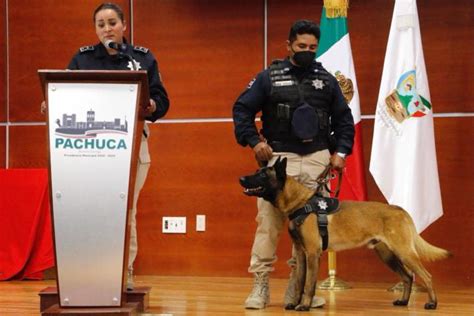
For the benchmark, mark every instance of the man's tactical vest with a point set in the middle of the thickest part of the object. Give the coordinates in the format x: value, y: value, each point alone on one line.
x: 287, y: 94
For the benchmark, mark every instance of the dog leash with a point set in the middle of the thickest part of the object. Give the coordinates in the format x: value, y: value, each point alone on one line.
x: 324, y: 179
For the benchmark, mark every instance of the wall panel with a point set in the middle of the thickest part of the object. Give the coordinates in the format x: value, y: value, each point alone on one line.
x: 195, y: 170
x: 447, y: 31
x: 455, y: 229
x: 3, y: 63
x: 2, y: 146
x: 44, y: 35
x: 207, y: 52
x: 28, y: 147
x: 368, y: 42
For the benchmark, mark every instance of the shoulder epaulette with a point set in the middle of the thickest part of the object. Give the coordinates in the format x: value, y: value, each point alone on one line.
x: 278, y: 67
x: 86, y: 49
x: 141, y: 49
x: 320, y: 67
x: 277, y: 61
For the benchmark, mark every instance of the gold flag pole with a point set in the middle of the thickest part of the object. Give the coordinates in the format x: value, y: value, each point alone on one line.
x: 335, y: 9
x: 332, y: 282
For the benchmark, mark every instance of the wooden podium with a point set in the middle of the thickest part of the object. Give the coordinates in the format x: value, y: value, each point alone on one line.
x: 95, y: 123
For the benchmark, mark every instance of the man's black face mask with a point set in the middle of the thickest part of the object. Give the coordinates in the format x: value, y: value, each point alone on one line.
x: 305, y: 58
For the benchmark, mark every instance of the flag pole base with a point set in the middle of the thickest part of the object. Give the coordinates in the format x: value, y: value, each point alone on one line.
x: 414, y: 288
x: 333, y: 283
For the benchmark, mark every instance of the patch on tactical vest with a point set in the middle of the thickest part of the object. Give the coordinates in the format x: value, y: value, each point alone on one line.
x: 141, y: 49
x: 330, y: 205
x: 318, y: 205
x: 318, y: 84
x: 86, y: 49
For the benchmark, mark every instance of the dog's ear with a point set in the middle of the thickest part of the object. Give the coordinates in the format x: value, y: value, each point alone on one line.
x: 283, y: 164
x: 280, y: 168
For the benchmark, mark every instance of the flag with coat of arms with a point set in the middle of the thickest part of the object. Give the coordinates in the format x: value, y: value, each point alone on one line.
x: 335, y: 54
x: 403, y: 159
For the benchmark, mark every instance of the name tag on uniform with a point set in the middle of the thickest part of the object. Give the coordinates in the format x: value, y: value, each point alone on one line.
x: 283, y: 83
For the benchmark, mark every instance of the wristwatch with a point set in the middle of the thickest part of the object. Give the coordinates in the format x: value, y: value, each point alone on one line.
x: 342, y: 155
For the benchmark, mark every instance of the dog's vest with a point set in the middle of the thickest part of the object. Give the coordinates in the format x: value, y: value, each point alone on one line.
x: 322, y: 207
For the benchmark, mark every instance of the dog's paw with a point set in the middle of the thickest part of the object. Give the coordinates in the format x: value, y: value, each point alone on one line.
x: 400, y: 302
x: 302, y: 308
x: 431, y: 305
x: 290, y: 306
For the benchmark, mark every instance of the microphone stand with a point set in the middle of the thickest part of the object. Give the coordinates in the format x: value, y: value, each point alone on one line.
x: 121, y: 52
x: 130, y: 59
x: 120, y: 48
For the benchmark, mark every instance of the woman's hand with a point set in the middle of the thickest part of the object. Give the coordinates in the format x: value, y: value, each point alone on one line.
x: 43, y: 107
x: 151, y: 107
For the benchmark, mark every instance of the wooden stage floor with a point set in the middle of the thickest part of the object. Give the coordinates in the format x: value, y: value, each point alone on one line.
x: 225, y: 296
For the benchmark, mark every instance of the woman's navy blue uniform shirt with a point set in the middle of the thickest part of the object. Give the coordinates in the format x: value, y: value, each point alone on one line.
x: 96, y: 58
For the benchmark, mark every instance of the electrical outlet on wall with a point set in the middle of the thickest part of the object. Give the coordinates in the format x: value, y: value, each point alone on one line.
x: 200, y: 223
x: 174, y: 225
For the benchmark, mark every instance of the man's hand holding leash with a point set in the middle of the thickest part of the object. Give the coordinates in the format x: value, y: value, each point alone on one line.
x: 337, y: 162
x: 263, y: 153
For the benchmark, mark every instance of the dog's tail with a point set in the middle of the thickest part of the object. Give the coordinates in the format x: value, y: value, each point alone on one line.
x: 428, y: 252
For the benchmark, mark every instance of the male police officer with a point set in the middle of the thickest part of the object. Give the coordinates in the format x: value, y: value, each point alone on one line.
x: 301, y: 104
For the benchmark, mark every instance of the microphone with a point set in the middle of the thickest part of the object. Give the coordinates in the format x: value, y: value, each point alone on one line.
x: 114, y: 45
x: 121, y: 48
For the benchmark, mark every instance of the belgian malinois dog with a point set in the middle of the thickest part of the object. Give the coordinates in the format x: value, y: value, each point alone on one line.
x: 386, y: 228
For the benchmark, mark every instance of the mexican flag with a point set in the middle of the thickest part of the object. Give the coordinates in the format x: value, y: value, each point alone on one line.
x: 335, y: 53
x: 403, y: 161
